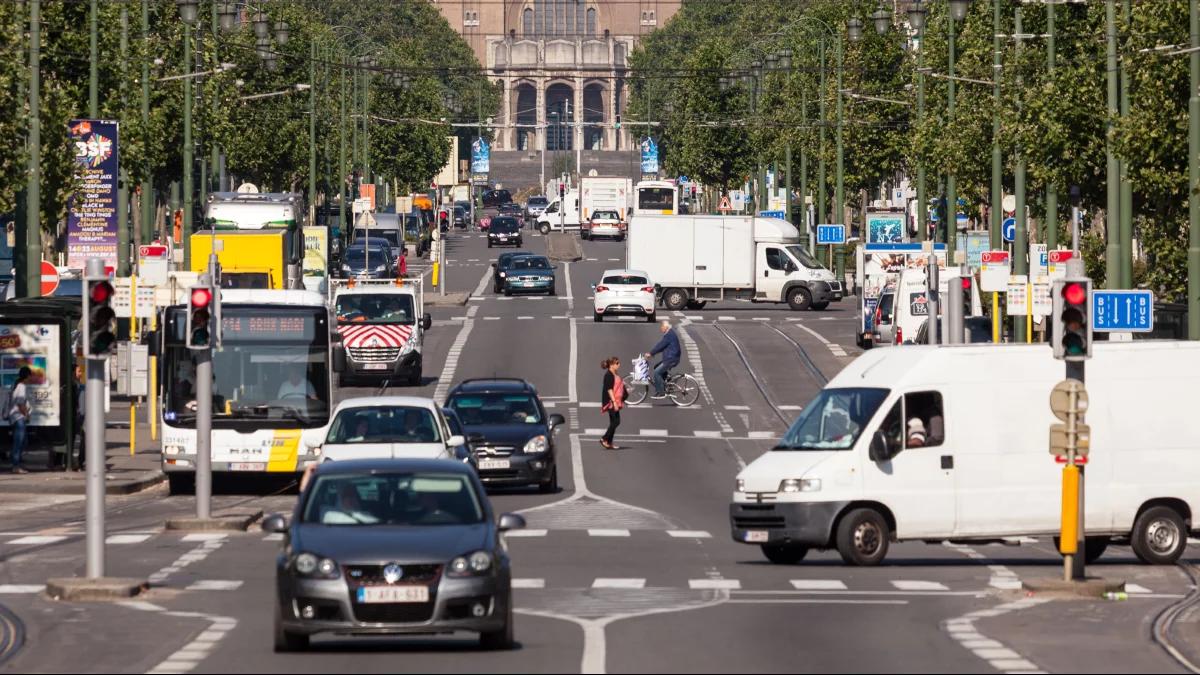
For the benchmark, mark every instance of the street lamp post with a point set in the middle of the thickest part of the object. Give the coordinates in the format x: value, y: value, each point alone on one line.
x: 958, y: 11
x: 916, y: 19
x: 1051, y: 237
x: 995, y: 237
x: 33, y: 185
x: 1112, y: 252
x: 94, y: 60
x: 1021, y: 263
x: 1193, y: 296
x: 147, y: 198
x: 188, y: 10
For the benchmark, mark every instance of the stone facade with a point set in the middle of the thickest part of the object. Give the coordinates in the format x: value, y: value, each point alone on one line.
x: 562, y: 65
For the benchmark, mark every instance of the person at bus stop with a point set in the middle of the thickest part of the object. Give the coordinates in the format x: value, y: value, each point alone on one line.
x: 19, y: 411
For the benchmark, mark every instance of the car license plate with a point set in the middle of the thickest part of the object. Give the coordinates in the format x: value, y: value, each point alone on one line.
x: 373, y: 594
x: 529, y: 284
x: 756, y: 536
x: 248, y: 466
x: 494, y: 464
x: 502, y: 238
x: 375, y: 366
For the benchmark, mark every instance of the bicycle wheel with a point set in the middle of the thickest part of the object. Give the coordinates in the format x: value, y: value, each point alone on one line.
x: 684, y: 391
x: 637, y: 390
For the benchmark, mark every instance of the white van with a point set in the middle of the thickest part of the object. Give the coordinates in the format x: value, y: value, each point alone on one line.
x: 847, y: 476
x: 911, y: 304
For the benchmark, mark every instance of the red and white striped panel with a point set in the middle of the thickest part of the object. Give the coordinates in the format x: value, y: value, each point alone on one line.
x: 374, y: 335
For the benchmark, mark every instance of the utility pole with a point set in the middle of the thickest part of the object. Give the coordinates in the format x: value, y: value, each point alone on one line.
x: 312, y: 127
x: 951, y: 184
x: 1051, y: 237
x: 187, y: 147
x: 94, y: 58
x: 342, y: 170
x: 822, y: 186
x: 33, y: 184
x: 997, y: 220
x: 1193, y: 298
x: 123, y: 234
x: 1126, y: 220
x: 1112, y: 252
x: 147, y: 197
x: 1021, y: 238
x: 839, y: 201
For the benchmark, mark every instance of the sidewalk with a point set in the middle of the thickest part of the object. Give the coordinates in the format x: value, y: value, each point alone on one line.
x: 125, y: 474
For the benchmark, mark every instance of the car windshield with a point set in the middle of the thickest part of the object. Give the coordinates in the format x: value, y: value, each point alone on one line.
x: 629, y: 279
x: 885, y: 307
x: 605, y: 215
x: 505, y: 225
x: 358, y: 255
x: 834, y: 420
x: 384, y: 424
x: 413, y: 499
x: 531, y: 264
x: 375, y: 308
x: 378, y: 237
x: 805, y: 259
x: 496, y: 408
x: 537, y: 201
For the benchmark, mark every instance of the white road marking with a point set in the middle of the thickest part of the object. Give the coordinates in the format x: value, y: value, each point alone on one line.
x: 791, y: 407
x: 535, y: 298
x: 492, y: 318
x: 653, y: 432
x: 818, y: 585
x: 573, y: 364
x: 525, y: 318
x: 762, y: 318
x: 607, y: 532
x: 594, y: 431
x: 274, y: 536
x: 191, y: 654
x: 693, y: 354
x: 714, y: 584
x: 458, y: 318
x: 737, y: 407
x: 209, y: 542
x: 619, y: 583
x: 689, y: 534
x: 589, y: 404
x: 446, y: 378
x: 525, y: 533
x: 614, y: 260
x: 15, y: 589
x: 126, y: 538
x: 36, y: 539
x: 1135, y: 588
x: 707, y: 434
x: 570, y: 291
x: 906, y: 585
x: 203, y: 536
x: 216, y: 585
x: 528, y: 583
x: 764, y: 434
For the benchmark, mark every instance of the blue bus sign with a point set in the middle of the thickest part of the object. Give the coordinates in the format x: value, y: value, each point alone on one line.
x: 1123, y: 311
x: 831, y: 234
x: 771, y: 214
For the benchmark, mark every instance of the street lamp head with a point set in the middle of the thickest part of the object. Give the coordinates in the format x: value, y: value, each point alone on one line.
x: 262, y: 25
x: 188, y: 10
x: 723, y: 83
x: 772, y: 62
x: 228, y: 13
x: 916, y: 16
x: 785, y: 59
x: 958, y: 9
x: 756, y: 66
x: 262, y: 47
x: 882, y: 19
x: 854, y: 29
x: 282, y: 32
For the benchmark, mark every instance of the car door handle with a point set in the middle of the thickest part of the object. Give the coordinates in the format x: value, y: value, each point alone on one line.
x: 766, y: 273
x: 947, y: 461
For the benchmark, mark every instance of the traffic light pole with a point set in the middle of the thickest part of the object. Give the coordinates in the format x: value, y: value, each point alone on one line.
x: 1074, y: 566
x: 94, y: 444
x: 204, y: 382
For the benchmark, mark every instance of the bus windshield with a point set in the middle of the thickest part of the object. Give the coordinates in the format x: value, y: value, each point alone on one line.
x: 271, y: 372
x: 656, y: 198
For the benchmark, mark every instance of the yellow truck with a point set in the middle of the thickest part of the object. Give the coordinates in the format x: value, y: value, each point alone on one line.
x: 249, y: 258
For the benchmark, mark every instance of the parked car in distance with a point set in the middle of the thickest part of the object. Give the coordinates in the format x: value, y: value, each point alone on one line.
x: 496, y: 197
x: 500, y: 268
x: 504, y: 231
x: 462, y: 217
x: 529, y: 274
x: 603, y: 224
x: 392, y: 547
x: 624, y: 292
x: 534, y: 206
x: 977, y: 329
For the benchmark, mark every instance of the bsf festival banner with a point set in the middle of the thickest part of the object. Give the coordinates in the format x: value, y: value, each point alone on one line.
x: 92, y: 209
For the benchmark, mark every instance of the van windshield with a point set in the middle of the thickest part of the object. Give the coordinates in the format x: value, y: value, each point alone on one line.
x: 834, y: 420
x: 804, y: 258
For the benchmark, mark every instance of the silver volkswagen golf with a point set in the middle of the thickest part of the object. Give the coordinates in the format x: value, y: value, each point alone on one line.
x: 393, y: 546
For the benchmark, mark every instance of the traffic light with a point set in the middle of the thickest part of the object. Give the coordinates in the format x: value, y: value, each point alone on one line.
x: 1071, y: 330
x: 199, y: 323
x: 562, y: 189
x: 966, y: 284
x: 100, y: 337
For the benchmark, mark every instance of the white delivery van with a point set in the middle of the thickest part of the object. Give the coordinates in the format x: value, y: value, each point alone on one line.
x: 847, y: 476
x: 911, y: 302
x: 878, y: 268
x: 381, y: 327
x: 555, y: 218
x: 695, y: 259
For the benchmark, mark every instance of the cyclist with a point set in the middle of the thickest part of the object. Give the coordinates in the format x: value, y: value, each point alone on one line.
x: 668, y: 346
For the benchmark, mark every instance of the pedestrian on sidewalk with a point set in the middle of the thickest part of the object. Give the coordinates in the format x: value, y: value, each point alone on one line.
x: 612, y: 399
x: 18, y: 416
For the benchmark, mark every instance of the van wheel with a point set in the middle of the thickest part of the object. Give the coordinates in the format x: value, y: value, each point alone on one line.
x: 545, y: 229
x: 1159, y: 536
x: 862, y: 538
x: 799, y: 298
x: 820, y: 305
x: 598, y: 317
x: 785, y: 554
x: 674, y: 299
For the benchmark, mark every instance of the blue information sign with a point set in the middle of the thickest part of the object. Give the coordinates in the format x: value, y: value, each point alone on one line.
x: 771, y: 214
x: 1123, y: 311
x: 1009, y: 229
x: 831, y: 234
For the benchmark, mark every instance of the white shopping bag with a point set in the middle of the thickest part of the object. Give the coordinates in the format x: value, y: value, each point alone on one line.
x: 641, y: 369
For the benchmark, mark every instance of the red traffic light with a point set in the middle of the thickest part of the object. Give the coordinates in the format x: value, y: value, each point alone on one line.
x: 201, y: 297
x: 966, y: 283
x: 1074, y: 294
x: 100, y: 292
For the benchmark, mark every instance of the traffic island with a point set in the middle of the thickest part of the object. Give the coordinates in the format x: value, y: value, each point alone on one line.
x: 433, y: 299
x: 225, y: 523
x: 1091, y: 587
x: 564, y: 247
x: 100, y: 589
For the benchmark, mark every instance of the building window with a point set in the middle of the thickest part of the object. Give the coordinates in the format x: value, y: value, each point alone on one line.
x: 578, y: 9
x: 560, y: 16
x: 648, y: 18
x: 527, y: 21
x: 542, y: 18
x: 470, y: 18
x: 591, y: 21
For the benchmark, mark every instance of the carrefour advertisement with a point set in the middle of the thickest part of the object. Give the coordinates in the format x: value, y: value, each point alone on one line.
x: 649, y: 156
x: 92, y: 210
x: 316, y: 255
x: 34, y: 346
x: 881, y: 264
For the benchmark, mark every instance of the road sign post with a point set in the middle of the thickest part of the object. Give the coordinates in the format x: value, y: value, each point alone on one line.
x: 94, y: 423
x: 1069, y: 402
x: 831, y: 235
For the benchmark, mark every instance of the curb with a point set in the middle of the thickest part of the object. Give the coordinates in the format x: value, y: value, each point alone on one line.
x: 238, y: 523
x: 78, y: 589
x: 448, y: 300
x: 79, y: 487
x: 1093, y: 588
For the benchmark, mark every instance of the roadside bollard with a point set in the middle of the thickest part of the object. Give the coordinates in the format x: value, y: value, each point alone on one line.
x: 132, y: 427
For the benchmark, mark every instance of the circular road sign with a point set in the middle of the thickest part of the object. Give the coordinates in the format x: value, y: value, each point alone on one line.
x: 1009, y: 229
x: 49, y: 278
x: 1060, y: 398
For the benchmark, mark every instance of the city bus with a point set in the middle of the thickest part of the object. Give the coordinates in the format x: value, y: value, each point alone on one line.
x: 272, y: 388
x: 656, y: 198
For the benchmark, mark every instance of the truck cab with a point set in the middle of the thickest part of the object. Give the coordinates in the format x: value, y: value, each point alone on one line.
x: 381, y: 325
x: 788, y: 273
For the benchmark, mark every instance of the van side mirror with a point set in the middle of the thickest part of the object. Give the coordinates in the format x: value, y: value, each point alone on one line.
x: 880, y: 450
x: 339, y: 358
x: 426, y: 321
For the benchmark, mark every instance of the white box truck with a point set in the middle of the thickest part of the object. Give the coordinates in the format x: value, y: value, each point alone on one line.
x: 694, y: 259
x: 850, y: 474
x: 595, y: 193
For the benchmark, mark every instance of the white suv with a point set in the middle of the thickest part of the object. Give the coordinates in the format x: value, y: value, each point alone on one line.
x: 627, y: 292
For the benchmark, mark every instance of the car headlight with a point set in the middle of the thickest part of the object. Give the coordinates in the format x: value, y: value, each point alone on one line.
x: 346, y: 268
x: 537, y: 444
x: 173, y: 450
x: 740, y: 485
x: 800, y: 485
x: 408, y: 347
x: 503, y: 274
x: 309, y: 565
x: 474, y: 564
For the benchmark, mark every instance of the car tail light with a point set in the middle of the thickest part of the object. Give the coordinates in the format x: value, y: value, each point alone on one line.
x: 647, y: 289
x: 601, y: 289
x: 622, y: 225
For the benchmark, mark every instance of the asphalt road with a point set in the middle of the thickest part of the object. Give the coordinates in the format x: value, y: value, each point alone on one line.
x: 630, y: 567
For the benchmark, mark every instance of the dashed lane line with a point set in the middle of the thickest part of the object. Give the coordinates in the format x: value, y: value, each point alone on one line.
x: 693, y: 354
x: 619, y: 583
x: 456, y: 349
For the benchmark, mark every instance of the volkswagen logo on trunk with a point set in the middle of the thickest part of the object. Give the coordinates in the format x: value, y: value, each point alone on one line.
x: 392, y: 573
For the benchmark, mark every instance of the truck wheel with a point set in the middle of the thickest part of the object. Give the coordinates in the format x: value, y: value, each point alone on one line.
x: 785, y: 554
x: 799, y: 298
x: 820, y: 305
x: 1159, y: 536
x: 545, y: 229
x: 674, y: 299
x: 862, y: 538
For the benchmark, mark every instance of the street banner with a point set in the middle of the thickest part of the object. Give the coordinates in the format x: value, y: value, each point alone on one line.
x: 36, y: 346
x: 881, y: 265
x: 481, y: 158
x: 649, y: 156
x: 885, y: 228
x: 316, y: 256
x: 92, y: 210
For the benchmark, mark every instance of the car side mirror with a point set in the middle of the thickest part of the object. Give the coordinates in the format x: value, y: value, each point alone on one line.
x: 510, y: 521
x: 880, y: 450
x: 276, y: 523
x: 556, y: 420
x: 476, y: 438
x: 339, y: 358
x: 426, y: 321
x: 456, y: 440
x: 593, y: 287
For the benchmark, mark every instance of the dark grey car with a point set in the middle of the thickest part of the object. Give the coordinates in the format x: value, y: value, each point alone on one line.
x: 393, y: 547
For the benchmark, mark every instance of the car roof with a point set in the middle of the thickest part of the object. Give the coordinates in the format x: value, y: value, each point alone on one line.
x: 624, y: 273
x: 389, y: 465
x: 493, y: 384
x: 372, y: 401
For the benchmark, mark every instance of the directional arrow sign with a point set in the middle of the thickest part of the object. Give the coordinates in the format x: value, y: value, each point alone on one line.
x: 1123, y: 311
x: 831, y: 234
x: 1009, y: 229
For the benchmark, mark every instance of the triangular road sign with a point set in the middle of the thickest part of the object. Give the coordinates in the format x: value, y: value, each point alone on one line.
x: 725, y: 206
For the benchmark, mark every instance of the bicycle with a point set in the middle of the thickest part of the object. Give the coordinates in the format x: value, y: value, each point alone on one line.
x: 682, y: 389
